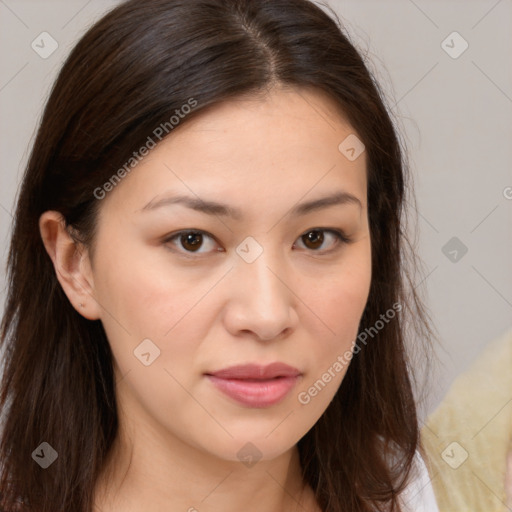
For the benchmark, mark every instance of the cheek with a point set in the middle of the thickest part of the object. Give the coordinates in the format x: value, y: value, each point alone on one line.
x: 147, y: 298
x: 339, y: 300
x: 149, y: 295
x: 341, y: 306
x: 160, y: 302
x: 340, y: 297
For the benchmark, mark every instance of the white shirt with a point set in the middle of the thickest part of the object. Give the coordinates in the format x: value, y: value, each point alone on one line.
x: 419, y: 496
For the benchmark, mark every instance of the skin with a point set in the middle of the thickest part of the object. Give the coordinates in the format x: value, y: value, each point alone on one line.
x: 299, y: 302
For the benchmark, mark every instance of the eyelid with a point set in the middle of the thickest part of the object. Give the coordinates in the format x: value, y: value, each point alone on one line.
x: 192, y: 255
x: 341, y: 239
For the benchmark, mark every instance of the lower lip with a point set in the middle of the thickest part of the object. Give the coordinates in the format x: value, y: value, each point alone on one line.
x: 255, y: 393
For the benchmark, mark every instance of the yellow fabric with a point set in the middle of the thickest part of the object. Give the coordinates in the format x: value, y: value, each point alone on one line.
x: 477, y: 415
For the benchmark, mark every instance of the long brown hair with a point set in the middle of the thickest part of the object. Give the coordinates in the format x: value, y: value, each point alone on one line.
x: 126, y: 76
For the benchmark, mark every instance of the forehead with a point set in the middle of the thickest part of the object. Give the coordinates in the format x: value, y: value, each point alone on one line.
x: 284, y: 145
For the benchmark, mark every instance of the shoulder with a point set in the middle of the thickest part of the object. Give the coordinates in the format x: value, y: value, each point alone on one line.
x: 486, y: 382
x: 454, y: 436
x: 419, y: 496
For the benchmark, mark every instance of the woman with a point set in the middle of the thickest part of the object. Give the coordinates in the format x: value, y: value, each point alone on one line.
x: 210, y: 215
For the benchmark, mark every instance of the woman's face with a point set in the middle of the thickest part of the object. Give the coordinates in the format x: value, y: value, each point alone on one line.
x: 262, y: 278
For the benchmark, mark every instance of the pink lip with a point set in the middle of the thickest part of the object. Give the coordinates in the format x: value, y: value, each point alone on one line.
x: 254, y: 385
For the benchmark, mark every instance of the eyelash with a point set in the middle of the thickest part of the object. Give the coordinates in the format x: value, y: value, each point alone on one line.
x: 341, y: 238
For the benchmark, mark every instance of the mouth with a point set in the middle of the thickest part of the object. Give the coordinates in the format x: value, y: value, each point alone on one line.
x: 256, y: 385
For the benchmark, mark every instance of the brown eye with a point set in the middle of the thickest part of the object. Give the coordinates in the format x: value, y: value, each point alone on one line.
x: 191, y: 241
x: 194, y: 241
x: 313, y: 239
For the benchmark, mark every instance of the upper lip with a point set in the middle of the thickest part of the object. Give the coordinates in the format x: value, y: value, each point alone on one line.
x: 256, y: 371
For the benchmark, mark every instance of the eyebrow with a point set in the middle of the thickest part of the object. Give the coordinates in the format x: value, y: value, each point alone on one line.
x: 221, y: 209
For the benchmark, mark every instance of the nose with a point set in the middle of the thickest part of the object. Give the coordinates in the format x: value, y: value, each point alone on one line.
x: 261, y: 299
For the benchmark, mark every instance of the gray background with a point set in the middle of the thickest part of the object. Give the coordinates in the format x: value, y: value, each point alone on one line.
x: 454, y: 114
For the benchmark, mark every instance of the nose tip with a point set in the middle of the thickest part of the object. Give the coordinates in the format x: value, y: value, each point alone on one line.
x: 261, y: 303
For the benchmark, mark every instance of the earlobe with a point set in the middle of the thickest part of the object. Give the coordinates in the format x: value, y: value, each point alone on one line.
x: 70, y: 262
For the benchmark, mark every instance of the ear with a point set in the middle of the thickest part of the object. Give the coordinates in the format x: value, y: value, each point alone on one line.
x: 71, y: 263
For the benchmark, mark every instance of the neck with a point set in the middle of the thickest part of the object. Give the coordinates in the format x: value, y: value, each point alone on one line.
x: 145, y: 472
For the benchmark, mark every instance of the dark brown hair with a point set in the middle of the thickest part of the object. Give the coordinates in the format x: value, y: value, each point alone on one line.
x: 126, y: 76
